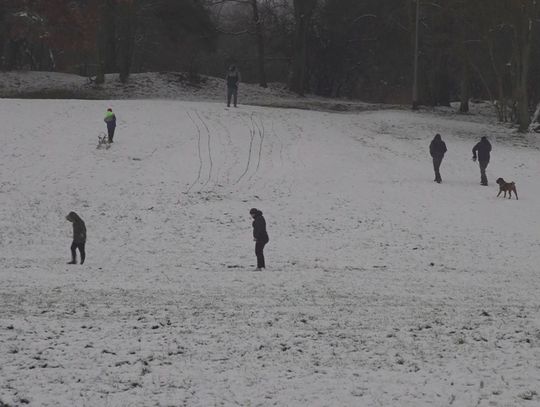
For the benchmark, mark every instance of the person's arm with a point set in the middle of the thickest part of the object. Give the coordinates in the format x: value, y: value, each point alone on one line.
x: 444, y: 147
x: 474, y: 150
x: 258, y: 228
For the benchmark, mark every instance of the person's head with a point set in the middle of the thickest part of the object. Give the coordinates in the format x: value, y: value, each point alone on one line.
x: 483, y: 138
x: 232, y: 68
x: 109, y: 110
x: 254, y: 212
x: 437, y: 136
x: 72, y: 217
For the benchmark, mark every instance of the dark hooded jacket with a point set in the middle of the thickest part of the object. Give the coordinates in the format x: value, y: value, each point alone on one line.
x: 483, y: 148
x: 79, y: 228
x: 259, y: 228
x: 437, y: 147
x: 233, y: 78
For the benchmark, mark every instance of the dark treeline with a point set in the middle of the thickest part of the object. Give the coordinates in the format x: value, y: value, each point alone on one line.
x: 486, y: 49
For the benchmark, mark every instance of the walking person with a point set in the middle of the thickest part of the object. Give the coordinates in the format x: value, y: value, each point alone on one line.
x: 79, y: 237
x: 483, y: 148
x: 437, y: 149
x: 110, y: 119
x: 260, y: 236
x: 233, y: 79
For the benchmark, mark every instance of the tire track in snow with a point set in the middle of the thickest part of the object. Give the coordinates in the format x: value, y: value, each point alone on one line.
x: 260, y: 131
x: 222, y: 155
x: 251, y: 136
x: 209, y: 148
x: 199, y: 153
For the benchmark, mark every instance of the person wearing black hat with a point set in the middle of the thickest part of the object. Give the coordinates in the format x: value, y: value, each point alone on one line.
x: 483, y: 148
x: 232, y: 78
x: 260, y: 236
x: 437, y: 149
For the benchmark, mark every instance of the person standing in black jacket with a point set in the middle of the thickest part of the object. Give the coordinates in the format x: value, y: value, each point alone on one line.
x: 79, y: 237
x: 483, y: 148
x: 260, y: 236
x: 233, y: 79
x: 437, y: 149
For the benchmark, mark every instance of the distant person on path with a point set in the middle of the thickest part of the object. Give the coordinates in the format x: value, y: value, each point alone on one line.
x: 79, y: 237
x: 232, y: 78
x: 260, y: 236
x: 110, y: 119
x: 483, y: 148
x: 437, y: 149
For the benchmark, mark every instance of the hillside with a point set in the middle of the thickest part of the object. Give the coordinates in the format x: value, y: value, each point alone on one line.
x: 160, y: 85
x: 382, y: 287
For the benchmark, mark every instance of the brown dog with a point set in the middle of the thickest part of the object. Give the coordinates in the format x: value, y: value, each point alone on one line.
x: 506, y: 186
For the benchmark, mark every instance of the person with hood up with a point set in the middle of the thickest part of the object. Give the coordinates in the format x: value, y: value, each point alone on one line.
x: 79, y: 237
x: 260, y: 236
x: 437, y: 149
x: 110, y: 120
x: 232, y: 78
x: 483, y: 148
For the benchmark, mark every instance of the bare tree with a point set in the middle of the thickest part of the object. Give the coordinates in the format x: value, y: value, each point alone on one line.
x: 303, y: 12
x: 524, y: 18
x: 255, y: 29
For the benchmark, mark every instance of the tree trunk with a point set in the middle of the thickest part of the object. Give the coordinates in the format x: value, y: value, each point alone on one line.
x: 100, y: 69
x: 106, y: 40
x: 522, y: 75
x: 260, y: 44
x: 109, y: 26
x: 415, y: 99
x: 303, y: 10
x: 465, y: 88
x: 12, y: 56
x: 126, y: 40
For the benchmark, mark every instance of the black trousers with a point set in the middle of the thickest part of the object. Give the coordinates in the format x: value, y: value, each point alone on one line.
x: 483, y: 176
x: 232, y: 92
x: 259, y: 252
x: 77, y: 245
x: 110, y: 130
x: 436, y: 165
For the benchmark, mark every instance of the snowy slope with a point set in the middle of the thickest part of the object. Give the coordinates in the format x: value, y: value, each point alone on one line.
x: 382, y: 289
x: 163, y: 85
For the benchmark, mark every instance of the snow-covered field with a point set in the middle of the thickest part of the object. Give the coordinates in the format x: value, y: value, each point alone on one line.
x: 383, y: 288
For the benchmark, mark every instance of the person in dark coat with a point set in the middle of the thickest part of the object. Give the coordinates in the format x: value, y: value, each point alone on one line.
x: 259, y: 235
x: 110, y: 119
x: 79, y: 237
x: 437, y: 149
x: 232, y: 78
x: 483, y: 149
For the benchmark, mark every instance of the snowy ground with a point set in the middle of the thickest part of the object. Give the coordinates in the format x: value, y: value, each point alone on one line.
x: 382, y: 289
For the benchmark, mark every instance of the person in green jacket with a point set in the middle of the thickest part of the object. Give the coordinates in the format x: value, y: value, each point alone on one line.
x: 110, y: 120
